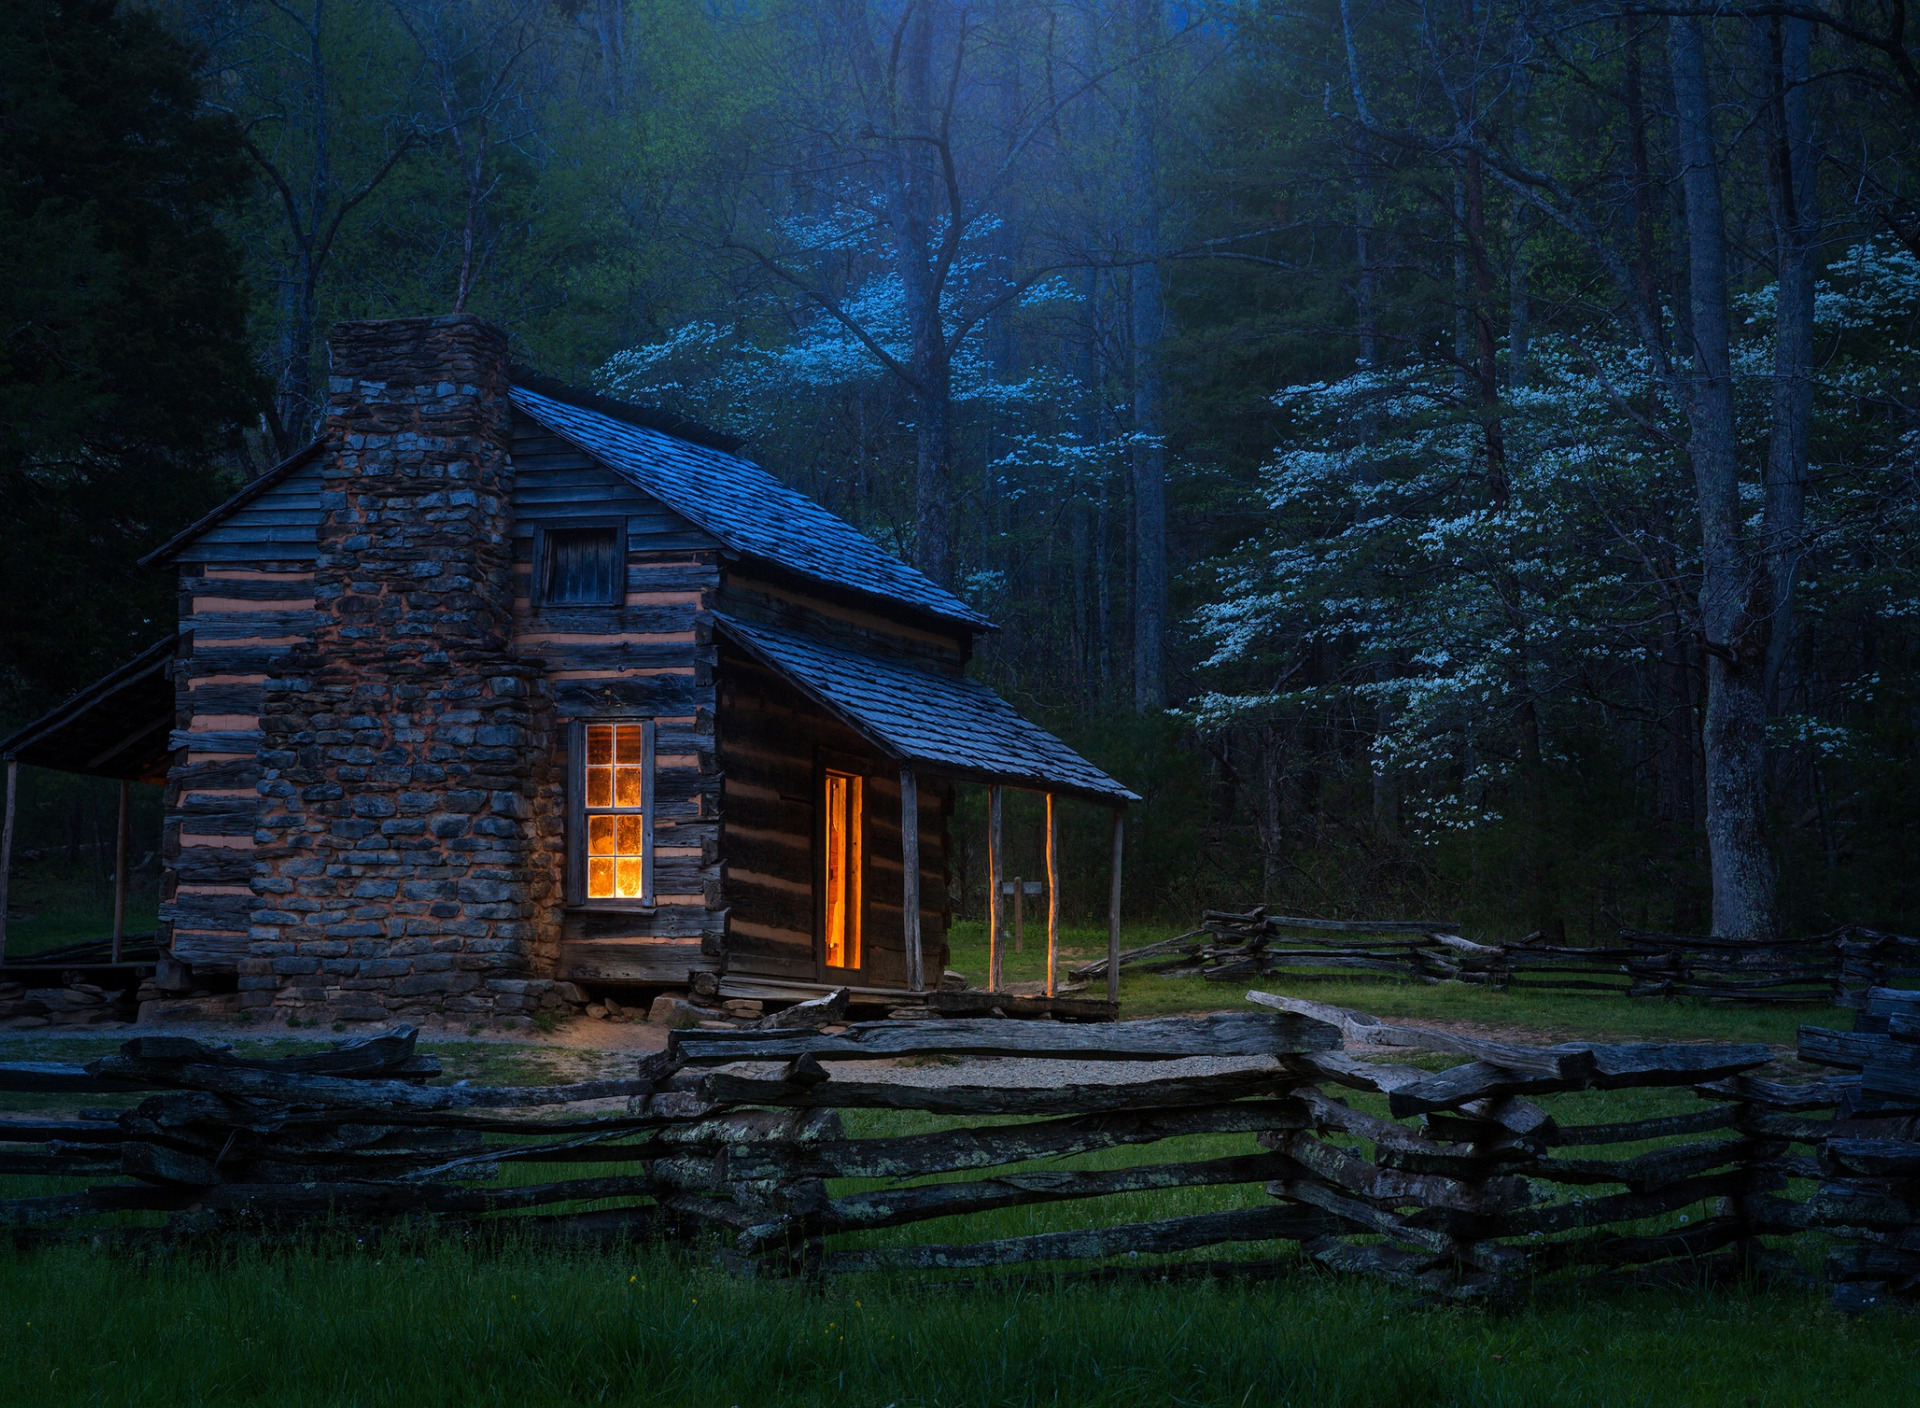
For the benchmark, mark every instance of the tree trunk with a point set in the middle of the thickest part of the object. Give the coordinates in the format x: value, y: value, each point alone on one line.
x: 1792, y: 190
x: 1149, y: 319
x: 1734, y: 737
x: 916, y: 181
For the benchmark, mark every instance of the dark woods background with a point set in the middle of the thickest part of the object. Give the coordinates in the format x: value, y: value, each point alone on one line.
x: 1453, y: 458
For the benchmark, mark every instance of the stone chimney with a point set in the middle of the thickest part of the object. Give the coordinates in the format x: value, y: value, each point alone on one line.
x: 405, y: 864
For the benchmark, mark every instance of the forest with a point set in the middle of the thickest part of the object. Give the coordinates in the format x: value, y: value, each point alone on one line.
x: 1451, y: 457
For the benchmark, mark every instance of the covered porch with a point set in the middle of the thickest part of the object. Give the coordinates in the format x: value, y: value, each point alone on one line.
x: 117, y: 729
x: 936, y: 726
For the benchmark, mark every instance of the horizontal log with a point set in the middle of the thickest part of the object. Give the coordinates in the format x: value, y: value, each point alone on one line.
x: 1361, y: 1029
x: 1852, y: 1050
x: 60, y: 1077
x: 1820, y: 1095
x: 1178, y: 1234
x: 1871, y: 1158
x: 1611, y: 1249
x: 1225, y: 1034
x: 62, y: 1207
x: 727, y: 1087
x: 1644, y: 1173
x: 1622, y: 1207
x: 25, y: 1163
x: 893, y: 1207
x: 1632, y: 1131
x: 1616, y: 1067
x: 381, y: 1098
x: 34, y: 1129
x: 950, y: 1151
x: 1393, y: 1187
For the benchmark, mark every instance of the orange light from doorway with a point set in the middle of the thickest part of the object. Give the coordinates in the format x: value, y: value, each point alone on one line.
x: 841, y: 878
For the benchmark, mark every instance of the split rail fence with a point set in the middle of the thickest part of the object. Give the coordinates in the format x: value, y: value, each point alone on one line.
x: 1228, y: 947
x: 1458, y: 1182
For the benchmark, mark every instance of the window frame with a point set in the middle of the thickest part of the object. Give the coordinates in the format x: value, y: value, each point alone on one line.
x: 848, y: 767
x: 537, y: 588
x: 576, y: 828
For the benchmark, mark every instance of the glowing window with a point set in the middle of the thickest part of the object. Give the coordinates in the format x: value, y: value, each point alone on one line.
x: 841, y: 878
x: 617, y: 761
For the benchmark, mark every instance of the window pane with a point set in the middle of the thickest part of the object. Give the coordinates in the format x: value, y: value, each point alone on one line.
x: 629, y: 843
x: 599, y: 879
x: 627, y: 792
x: 581, y: 566
x: 632, y: 743
x: 599, y: 787
x: 599, y: 744
x: 599, y: 835
x: 629, y: 884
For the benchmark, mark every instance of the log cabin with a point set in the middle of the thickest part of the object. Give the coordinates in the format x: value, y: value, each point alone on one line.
x: 498, y: 690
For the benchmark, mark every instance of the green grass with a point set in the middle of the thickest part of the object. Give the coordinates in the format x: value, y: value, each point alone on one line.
x: 74, y: 916
x: 1551, y: 1014
x: 441, y: 1324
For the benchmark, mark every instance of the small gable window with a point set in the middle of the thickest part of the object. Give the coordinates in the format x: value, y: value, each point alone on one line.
x: 581, y: 567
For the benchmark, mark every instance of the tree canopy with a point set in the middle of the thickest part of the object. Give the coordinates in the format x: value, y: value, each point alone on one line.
x: 1443, y: 454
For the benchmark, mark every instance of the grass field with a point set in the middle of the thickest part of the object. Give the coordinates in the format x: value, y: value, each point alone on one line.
x: 438, y: 1324
x: 1547, y: 1013
x: 438, y: 1321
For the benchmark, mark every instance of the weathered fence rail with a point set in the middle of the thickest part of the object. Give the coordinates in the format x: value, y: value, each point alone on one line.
x: 1463, y: 1181
x: 1836, y: 967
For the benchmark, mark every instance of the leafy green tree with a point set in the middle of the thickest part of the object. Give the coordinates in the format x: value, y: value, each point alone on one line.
x: 124, y: 360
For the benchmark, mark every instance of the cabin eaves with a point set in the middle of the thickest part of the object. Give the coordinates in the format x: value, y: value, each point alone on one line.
x: 946, y: 723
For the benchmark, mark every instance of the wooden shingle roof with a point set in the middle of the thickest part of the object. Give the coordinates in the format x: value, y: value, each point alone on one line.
x: 948, y: 723
x: 746, y: 508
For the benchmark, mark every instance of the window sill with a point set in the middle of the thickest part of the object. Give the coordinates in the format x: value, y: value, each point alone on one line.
x: 610, y: 907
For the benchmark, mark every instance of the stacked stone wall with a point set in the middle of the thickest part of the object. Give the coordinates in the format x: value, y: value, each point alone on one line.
x: 407, y: 858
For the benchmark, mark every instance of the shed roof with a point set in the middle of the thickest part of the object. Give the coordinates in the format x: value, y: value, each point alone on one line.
x: 948, y: 723
x: 745, y: 507
x: 115, y: 727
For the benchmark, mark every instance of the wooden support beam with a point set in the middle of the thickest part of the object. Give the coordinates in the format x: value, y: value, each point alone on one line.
x: 120, y: 868
x: 1113, y: 909
x: 995, y: 867
x: 6, y: 851
x: 910, y: 886
x: 1053, y: 891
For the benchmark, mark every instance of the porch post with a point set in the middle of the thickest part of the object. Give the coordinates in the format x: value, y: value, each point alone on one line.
x: 1053, y: 892
x: 994, y: 956
x: 910, y: 884
x: 6, y: 851
x: 120, y: 869
x: 1113, y: 909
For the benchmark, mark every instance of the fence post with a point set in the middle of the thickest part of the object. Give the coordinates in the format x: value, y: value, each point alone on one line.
x: 995, y: 973
x: 6, y: 852
x: 1053, y: 891
x: 910, y: 880
x: 120, y: 868
x: 1113, y: 909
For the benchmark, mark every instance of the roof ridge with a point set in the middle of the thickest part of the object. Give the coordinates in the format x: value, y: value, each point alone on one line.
x: 748, y: 509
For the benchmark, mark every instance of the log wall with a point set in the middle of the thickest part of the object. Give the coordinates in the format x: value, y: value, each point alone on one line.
x: 773, y: 743
x: 243, y: 619
x: 650, y: 657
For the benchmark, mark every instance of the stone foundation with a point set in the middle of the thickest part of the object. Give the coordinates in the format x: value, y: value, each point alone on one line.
x: 406, y: 862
